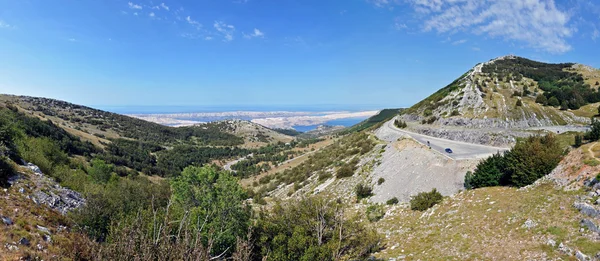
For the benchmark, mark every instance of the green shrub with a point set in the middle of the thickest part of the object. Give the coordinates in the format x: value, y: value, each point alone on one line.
x: 380, y: 181
x: 375, y: 212
x: 553, y: 101
x: 425, y: 200
x: 529, y: 160
x: 392, y: 201
x: 363, y: 191
x: 519, y: 103
x: 345, y: 171
x: 454, y: 113
x: 323, y: 175
x: 578, y: 141
x: 6, y: 170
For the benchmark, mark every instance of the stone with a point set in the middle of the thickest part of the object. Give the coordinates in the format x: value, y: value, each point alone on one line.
x: 590, y: 225
x: 551, y: 242
x: 6, y: 220
x: 581, y: 256
x: 11, y: 247
x: 529, y: 224
x: 47, y: 238
x: 43, y: 229
x: 24, y: 241
x: 564, y: 249
x: 587, y: 209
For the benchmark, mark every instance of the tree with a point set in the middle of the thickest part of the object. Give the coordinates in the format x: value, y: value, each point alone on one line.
x: 553, y: 101
x: 541, y: 99
x: 216, y: 201
x: 564, y: 105
x: 597, y: 83
x: 598, y: 110
x: 315, y: 228
x: 578, y: 141
x: 100, y: 171
x: 594, y: 133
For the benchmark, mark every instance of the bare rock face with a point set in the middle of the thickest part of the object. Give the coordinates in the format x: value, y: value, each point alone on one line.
x: 46, y: 191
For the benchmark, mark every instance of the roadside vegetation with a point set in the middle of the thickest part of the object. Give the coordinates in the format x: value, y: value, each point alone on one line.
x: 529, y: 160
x: 383, y: 116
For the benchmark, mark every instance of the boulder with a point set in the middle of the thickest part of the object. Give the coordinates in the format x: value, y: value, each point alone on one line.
x: 6, y: 220
x: 587, y: 209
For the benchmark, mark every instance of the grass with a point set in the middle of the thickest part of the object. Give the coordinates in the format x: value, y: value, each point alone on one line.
x: 486, y: 224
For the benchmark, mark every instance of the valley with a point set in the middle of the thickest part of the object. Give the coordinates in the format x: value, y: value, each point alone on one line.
x: 483, y: 169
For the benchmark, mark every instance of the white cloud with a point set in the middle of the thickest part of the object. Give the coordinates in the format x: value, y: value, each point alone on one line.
x: 226, y: 30
x: 595, y: 34
x: 256, y: 33
x: 193, y: 22
x: 151, y: 14
x: 135, y: 13
x: 208, y: 38
x: 477, y: 49
x: 462, y: 41
x: 398, y: 24
x: 134, y: 6
x: 4, y: 25
x: 164, y: 6
x: 538, y: 24
x: 72, y: 40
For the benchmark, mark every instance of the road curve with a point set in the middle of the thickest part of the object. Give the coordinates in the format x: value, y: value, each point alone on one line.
x: 460, y: 150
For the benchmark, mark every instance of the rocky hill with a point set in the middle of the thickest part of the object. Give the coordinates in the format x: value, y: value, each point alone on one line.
x: 254, y: 135
x: 513, y: 92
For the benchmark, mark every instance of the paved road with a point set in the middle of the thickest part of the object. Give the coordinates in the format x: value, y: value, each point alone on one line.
x: 460, y: 150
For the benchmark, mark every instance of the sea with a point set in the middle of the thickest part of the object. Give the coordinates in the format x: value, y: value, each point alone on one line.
x: 346, y: 122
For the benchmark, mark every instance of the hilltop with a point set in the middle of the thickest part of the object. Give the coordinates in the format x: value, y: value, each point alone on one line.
x: 513, y: 92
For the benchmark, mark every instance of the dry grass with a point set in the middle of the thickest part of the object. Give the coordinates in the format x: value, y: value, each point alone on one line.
x: 487, y: 224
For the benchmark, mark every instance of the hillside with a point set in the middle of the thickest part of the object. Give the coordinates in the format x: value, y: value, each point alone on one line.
x: 254, y: 135
x: 513, y: 92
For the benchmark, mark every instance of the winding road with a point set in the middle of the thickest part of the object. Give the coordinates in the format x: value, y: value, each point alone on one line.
x: 460, y: 150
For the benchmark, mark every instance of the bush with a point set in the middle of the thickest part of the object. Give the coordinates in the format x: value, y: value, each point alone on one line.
x: 541, y: 99
x: 400, y: 124
x: 519, y: 103
x: 6, y: 171
x: 392, y: 201
x: 323, y: 175
x: 425, y: 200
x: 380, y: 181
x: 553, y: 101
x: 454, y: 113
x: 315, y: 228
x: 363, y: 191
x: 594, y: 133
x: 346, y: 170
x: 578, y: 141
x: 529, y: 160
x: 375, y: 212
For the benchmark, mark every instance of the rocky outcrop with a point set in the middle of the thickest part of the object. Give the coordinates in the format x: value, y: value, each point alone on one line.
x: 43, y: 190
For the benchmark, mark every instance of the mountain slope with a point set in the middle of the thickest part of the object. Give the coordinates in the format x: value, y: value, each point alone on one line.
x: 513, y: 92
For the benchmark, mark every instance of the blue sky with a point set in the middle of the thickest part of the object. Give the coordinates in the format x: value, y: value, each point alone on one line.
x: 386, y: 53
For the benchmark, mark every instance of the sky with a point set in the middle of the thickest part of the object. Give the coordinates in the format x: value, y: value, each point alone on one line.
x: 345, y: 53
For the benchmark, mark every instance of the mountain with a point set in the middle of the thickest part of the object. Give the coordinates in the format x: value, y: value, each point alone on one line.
x: 514, y: 92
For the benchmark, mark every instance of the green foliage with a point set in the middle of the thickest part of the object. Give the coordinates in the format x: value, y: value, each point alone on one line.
x: 375, y: 212
x: 564, y: 105
x: 568, y: 88
x: 172, y: 162
x: 289, y: 132
x: 400, y: 124
x: 314, y: 228
x: 43, y: 152
x: 6, y: 171
x: 380, y: 181
x: 100, y: 171
x: 541, y: 99
x: 455, y: 112
x: 346, y: 170
x: 363, y: 191
x: 392, y: 201
x: 529, y: 160
x: 429, y: 120
x: 381, y: 117
x: 519, y: 103
x: 427, y: 113
x: 578, y: 141
x: 594, y: 133
x: 425, y: 200
x: 215, y: 199
x: 553, y: 101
